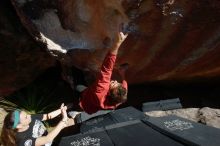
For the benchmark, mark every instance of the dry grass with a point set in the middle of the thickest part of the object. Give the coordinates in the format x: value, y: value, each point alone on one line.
x: 2, y: 117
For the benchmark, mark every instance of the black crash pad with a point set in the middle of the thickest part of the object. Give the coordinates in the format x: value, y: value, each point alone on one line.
x: 117, y: 116
x: 138, y: 134
x: 99, y: 138
x: 164, y: 105
x: 83, y: 116
x: 97, y: 123
x: 127, y: 114
x: 186, y: 131
x: 130, y: 133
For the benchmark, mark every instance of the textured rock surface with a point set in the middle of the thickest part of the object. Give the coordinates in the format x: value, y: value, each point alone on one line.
x: 21, y: 58
x: 189, y: 113
x: 169, y: 39
x: 206, y: 115
x: 210, y: 116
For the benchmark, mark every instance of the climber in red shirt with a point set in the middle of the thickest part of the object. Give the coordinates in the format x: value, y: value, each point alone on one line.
x: 105, y: 93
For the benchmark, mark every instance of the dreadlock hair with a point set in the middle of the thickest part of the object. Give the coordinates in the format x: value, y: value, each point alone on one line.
x: 8, y: 132
x: 118, y: 95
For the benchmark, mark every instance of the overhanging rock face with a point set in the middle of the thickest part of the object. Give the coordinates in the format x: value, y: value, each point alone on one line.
x: 68, y: 25
x: 168, y: 39
x: 22, y: 59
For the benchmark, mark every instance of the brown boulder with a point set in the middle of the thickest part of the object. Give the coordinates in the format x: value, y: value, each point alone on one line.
x: 169, y: 40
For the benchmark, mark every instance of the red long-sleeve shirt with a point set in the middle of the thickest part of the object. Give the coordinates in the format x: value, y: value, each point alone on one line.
x: 95, y: 97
